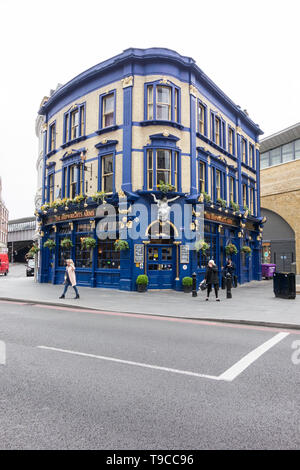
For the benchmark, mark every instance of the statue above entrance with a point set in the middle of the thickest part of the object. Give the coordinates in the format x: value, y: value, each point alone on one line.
x: 163, y: 208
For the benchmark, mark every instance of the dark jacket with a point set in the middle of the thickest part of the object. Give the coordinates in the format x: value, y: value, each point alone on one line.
x: 229, y: 269
x: 211, y: 275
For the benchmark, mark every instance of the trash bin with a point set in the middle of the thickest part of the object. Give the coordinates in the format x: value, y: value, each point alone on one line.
x: 284, y: 285
x: 268, y: 270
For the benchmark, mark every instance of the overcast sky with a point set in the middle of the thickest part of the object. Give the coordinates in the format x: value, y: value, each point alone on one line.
x: 250, y: 49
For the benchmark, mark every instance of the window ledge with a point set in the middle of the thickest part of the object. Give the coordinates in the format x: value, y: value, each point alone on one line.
x: 158, y: 122
x: 73, y: 141
x: 49, y: 154
x: 107, y: 129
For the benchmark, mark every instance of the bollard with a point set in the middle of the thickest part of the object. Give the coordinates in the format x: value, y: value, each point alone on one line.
x: 194, y: 291
x: 228, y: 286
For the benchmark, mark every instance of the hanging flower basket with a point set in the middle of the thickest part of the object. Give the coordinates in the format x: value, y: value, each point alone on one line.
x: 246, y: 249
x: 231, y: 249
x: 50, y: 244
x: 33, y: 250
x: 88, y: 243
x: 201, y: 245
x: 66, y: 243
x: 121, y: 245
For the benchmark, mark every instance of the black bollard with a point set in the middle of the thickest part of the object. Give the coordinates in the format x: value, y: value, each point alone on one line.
x: 194, y: 291
x: 228, y: 286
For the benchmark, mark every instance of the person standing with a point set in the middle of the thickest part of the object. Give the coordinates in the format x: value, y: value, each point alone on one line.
x: 230, y: 269
x: 212, y: 279
x: 70, y: 279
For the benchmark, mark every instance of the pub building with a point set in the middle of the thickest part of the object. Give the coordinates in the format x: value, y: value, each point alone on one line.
x: 143, y: 125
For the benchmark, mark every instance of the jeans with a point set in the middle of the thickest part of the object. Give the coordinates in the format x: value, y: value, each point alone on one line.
x: 67, y: 284
x: 209, y: 288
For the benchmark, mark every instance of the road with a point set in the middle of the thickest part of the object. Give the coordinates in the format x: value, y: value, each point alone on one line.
x: 97, y: 380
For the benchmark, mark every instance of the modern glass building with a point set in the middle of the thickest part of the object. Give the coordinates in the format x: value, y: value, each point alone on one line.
x: 143, y: 125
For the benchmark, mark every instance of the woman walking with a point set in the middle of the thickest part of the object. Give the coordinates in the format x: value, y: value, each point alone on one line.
x: 212, y: 279
x: 70, y: 279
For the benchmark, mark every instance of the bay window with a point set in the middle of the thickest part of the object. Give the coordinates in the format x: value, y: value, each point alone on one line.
x: 162, y: 102
x: 162, y: 167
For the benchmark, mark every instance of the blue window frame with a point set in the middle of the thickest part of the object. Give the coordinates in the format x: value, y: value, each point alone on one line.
x: 106, y: 166
x: 244, y: 156
x: 251, y: 159
x: 162, y: 101
x: 218, y: 183
x: 231, y: 140
x: 217, y: 130
x: 72, y: 174
x: 74, y: 123
x: 107, y: 110
x: 162, y: 162
x: 52, y: 137
x: 231, y: 188
x: 201, y: 117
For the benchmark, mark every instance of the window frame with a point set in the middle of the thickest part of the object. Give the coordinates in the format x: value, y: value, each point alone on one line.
x: 174, y: 96
x: 102, y: 98
x: 203, y: 106
x: 52, y: 137
x: 67, y: 123
x: 173, y: 171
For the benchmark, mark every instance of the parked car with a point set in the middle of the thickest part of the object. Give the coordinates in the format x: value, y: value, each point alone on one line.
x: 30, y: 267
x: 4, y: 264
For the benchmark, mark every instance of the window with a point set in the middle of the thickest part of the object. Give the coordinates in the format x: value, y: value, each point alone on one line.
x: 251, y: 207
x: 202, y: 177
x: 83, y: 256
x: 218, y: 184
x: 108, y: 110
x: 297, y: 149
x: 230, y: 141
x: 244, y: 156
x: 162, y: 167
x: 264, y: 160
x: 201, y: 118
x: 107, y: 173
x: 231, y: 189
x: 150, y: 103
x: 217, y: 131
x: 52, y: 135
x: 251, y: 155
x: 74, y: 123
x: 288, y: 152
x: 108, y: 258
x: 163, y: 103
x: 51, y: 187
x: 73, y: 181
x: 275, y: 156
x: 244, y: 188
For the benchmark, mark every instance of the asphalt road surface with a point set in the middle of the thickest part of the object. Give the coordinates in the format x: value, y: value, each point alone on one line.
x: 74, y: 379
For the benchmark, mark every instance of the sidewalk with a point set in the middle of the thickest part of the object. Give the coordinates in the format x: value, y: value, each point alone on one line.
x: 251, y: 303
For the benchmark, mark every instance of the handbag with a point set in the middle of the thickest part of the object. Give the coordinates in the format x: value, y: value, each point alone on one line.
x: 203, y: 285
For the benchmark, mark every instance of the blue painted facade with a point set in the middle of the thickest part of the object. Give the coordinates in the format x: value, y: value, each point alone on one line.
x: 163, y: 259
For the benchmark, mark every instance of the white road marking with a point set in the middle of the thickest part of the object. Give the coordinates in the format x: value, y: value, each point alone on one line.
x: 131, y: 363
x: 231, y: 373
x: 228, y: 376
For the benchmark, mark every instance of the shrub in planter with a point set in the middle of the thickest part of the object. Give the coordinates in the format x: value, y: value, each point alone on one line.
x: 78, y: 199
x: 206, y: 196
x: 66, y: 243
x: 231, y: 249
x: 121, y: 245
x: 142, y: 282
x: 222, y: 202
x: 187, y: 283
x: 234, y: 206
x: 99, y: 196
x: 50, y: 244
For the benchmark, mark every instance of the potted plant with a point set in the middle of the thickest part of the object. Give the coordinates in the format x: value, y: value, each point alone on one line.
x: 231, y: 249
x: 99, y: 196
x: 66, y: 243
x: 247, y: 250
x: 221, y: 202
x: 234, y: 206
x: 206, y: 196
x: 187, y: 284
x: 78, y: 199
x: 142, y: 282
x: 165, y: 187
x: 50, y: 244
x: 121, y: 245
x: 202, y: 245
x: 88, y: 243
x: 33, y: 250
